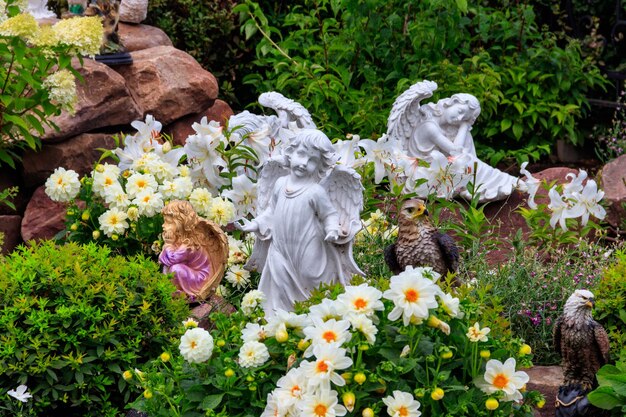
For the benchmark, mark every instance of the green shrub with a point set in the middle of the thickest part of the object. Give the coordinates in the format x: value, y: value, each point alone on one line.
x: 347, y: 61
x: 73, y: 318
x: 610, y: 308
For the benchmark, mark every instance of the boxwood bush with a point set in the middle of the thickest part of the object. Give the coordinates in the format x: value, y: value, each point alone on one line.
x: 73, y: 318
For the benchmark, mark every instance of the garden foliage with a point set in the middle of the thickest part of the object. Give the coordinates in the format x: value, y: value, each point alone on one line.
x: 347, y: 60
x: 73, y: 317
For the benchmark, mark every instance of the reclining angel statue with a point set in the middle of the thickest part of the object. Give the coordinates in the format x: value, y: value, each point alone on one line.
x: 445, y: 126
x: 309, y: 214
x: 195, y: 250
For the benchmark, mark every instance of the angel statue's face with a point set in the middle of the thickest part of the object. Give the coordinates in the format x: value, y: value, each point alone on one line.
x: 456, y: 114
x: 305, y: 161
x: 169, y: 229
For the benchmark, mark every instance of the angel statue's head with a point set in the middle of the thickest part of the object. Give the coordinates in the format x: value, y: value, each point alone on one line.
x: 316, y: 145
x: 179, y: 224
x: 460, y: 107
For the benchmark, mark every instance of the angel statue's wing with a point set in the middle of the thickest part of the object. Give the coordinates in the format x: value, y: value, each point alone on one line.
x: 270, y: 171
x: 215, y: 244
x: 405, y: 115
x: 287, y: 110
x: 343, y: 185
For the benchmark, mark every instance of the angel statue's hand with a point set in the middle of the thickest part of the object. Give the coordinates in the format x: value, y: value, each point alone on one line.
x: 332, y: 236
x: 247, y: 226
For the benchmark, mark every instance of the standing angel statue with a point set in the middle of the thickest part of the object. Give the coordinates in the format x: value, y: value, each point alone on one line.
x: 445, y: 126
x: 195, y: 250
x: 309, y: 214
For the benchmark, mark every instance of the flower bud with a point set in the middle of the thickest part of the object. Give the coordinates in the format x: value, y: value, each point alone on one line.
x: 485, y: 354
x: 100, y: 168
x: 74, y: 227
x: 250, y: 378
x: 229, y: 373
x: 446, y: 354
x: 147, y: 394
x: 85, y: 216
x: 347, y: 376
x: 282, y: 336
x: 348, y: 399
x: 220, y: 343
x: 360, y: 378
x: 127, y: 375
x: 541, y: 403
x: 433, y: 321
x: 114, y: 237
x: 95, y: 234
x: 437, y: 394
x: 525, y: 349
x: 165, y: 357
x: 367, y: 412
x: 303, y: 344
x: 419, y: 392
x: 167, y: 146
x: 491, y: 404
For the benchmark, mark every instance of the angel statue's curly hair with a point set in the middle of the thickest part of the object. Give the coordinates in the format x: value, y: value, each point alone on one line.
x: 186, y: 219
x: 313, y: 139
x: 467, y: 99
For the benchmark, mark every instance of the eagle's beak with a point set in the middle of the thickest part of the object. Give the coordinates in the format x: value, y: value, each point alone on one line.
x: 591, y: 303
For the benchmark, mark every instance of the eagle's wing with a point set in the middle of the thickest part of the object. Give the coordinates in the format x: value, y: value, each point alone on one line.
x: 270, y: 171
x: 602, y: 342
x: 392, y: 260
x: 215, y: 245
x: 288, y: 110
x: 556, y: 335
x: 405, y: 116
x: 449, y: 251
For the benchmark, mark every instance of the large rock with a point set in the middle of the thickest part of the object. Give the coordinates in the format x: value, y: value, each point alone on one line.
x: 43, y: 218
x: 10, y: 227
x: 138, y: 37
x: 103, y: 100
x: 168, y: 83
x: 219, y: 111
x: 613, y: 182
x: 78, y: 153
x: 546, y: 380
x: 133, y: 11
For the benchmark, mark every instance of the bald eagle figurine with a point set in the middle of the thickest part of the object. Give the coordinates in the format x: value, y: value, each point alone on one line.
x: 584, y: 346
x: 420, y: 243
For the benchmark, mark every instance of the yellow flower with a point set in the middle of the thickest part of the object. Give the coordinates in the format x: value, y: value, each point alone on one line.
x: 127, y: 375
x: 525, y: 350
x: 83, y: 34
x: 437, y: 394
x: 491, y: 404
x: 165, y: 357
x: 23, y: 25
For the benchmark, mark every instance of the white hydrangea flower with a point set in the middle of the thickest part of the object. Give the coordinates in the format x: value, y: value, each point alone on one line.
x: 196, y: 345
x: 61, y: 86
x: 63, y: 185
x: 113, y: 221
x: 253, y: 354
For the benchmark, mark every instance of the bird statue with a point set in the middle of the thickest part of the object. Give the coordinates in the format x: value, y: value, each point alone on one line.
x: 420, y: 243
x: 584, y: 347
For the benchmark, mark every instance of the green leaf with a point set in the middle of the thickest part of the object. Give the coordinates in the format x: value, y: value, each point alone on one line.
x: 462, y: 5
x: 611, y: 376
x: 505, y: 124
x: 211, y: 402
x: 605, y: 398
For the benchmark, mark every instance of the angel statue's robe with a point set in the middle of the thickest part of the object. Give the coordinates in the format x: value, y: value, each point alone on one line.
x: 191, y: 268
x: 298, y: 258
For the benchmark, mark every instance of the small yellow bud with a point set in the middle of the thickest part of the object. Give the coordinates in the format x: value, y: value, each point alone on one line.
x: 100, y: 168
x: 303, y: 344
x: 525, y: 349
x: 74, y: 227
x: 348, y: 399
x: 229, y: 373
x: 70, y: 212
x: 360, y: 378
x: 85, y: 216
x: 492, y: 404
x: 220, y: 343
x: 114, y: 237
x: 95, y: 234
x: 367, y: 412
x: 127, y: 375
x: 190, y: 323
x: 250, y: 378
x: 437, y: 394
x: 446, y: 354
x: 167, y: 146
x: 433, y: 322
x: 347, y: 376
x: 541, y: 403
x: 252, y: 387
x: 165, y: 357
x: 282, y: 336
x: 485, y: 354
x: 147, y: 394
x: 364, y: 346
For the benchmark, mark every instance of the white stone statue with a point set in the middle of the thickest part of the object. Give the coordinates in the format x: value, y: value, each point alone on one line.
x: 445, y: 127
x: 39, y: 9
x: 310, y: 212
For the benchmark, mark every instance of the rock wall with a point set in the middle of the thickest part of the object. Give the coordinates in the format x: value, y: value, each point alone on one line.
x: 163, y: 81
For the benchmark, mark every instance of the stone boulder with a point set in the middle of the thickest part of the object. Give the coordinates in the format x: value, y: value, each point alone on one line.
x: 10, y: 227
x: 43, y: 218
x: 546, y: 380
x: 138, y: 37
x: 613, y: 182
x: 133, y: 11
x: 214, y: 303
x: 219, y: 111
x: 168, y: 83
x: 103, y: 101
x: 78, y: 153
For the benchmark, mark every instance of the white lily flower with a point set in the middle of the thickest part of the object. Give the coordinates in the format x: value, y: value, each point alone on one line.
x: 149, y: 129
x: 380, y: 153
x: 587, y: 202
x: 346, y: 150
x: 575, y: 186
x: 243, y: 195
x: 530, y: 185
x: 560, y: 209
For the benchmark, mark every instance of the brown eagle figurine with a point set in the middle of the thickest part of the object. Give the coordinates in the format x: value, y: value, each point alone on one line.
x: 420, y: 243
